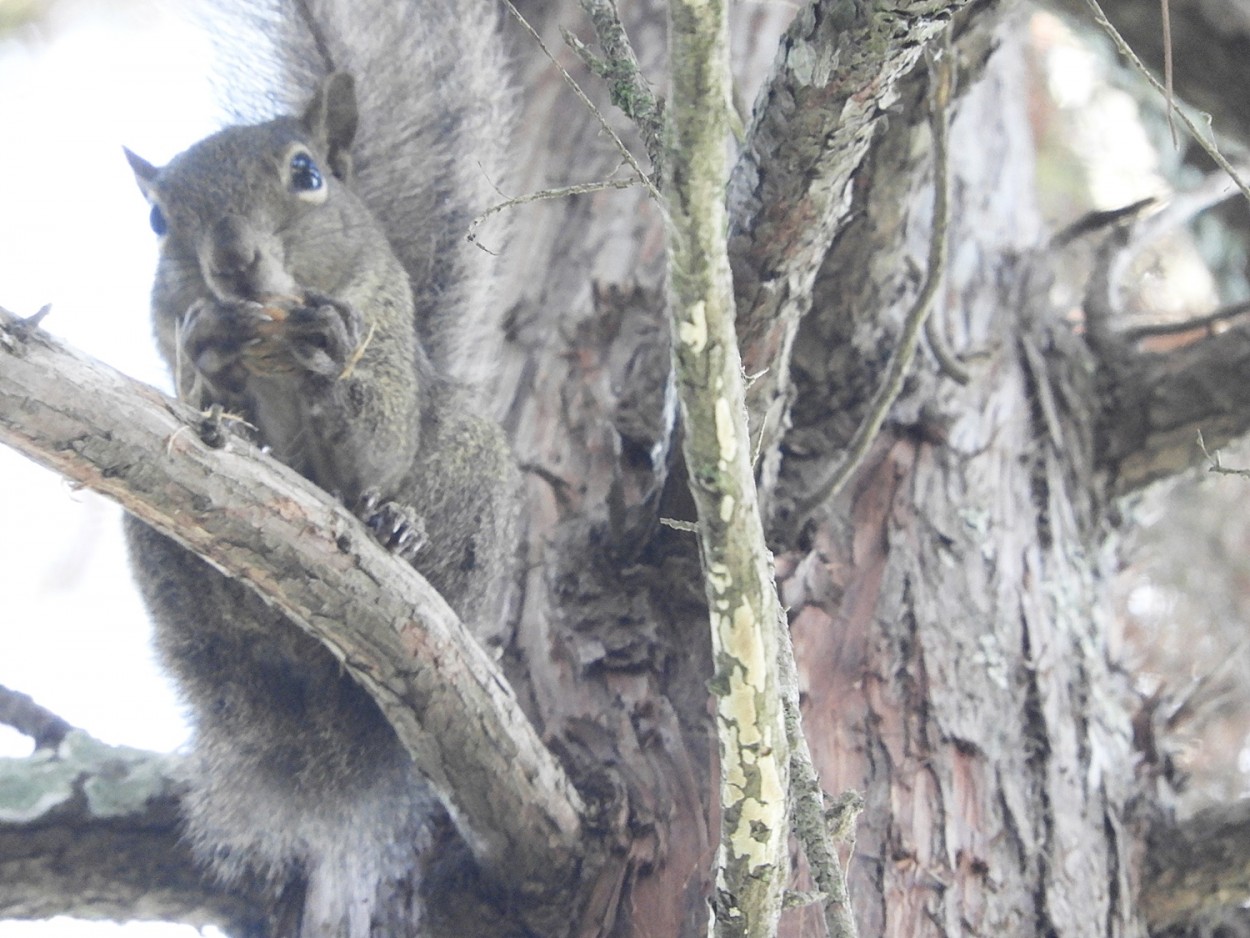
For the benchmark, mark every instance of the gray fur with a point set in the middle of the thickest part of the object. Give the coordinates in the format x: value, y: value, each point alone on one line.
x: 431, y: 82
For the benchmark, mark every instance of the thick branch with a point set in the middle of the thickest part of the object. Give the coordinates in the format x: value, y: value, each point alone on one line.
x: 1198, y: 867
x: 836, y: 74
x: 742, y: 598
x: 1159, y: 402
x: 262, y: 523
x: 93, y: 831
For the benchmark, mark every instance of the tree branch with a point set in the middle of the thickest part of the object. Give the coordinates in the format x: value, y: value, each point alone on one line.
x: 627, y: 85
x: 93, y: 831
x: 265, y: 525
x: 741, y: 595
x: 27, y: 717
x: 1156, y: 405
x: 836, y: 74
x: 832, y: 479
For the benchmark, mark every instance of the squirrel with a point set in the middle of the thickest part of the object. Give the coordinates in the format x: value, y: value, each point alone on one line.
x: 315, y: 280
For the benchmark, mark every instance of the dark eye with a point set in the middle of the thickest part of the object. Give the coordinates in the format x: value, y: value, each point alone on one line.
x: 305, y: 176
x: 157, y: 221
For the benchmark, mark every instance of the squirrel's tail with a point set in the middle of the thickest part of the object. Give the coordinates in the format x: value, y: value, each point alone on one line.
x: 431, y: 149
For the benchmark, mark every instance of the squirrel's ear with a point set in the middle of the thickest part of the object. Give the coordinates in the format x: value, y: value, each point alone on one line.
x: 145, y: 172
x: 331, y: 119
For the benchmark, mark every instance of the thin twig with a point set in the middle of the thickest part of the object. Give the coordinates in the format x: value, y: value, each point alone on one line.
x: 1207, y: 145
x: 1198, y: 322
x: 1214, y: 459
x: 900, y: 361
x: 43, y: 726
x: 577, y: 90
x: 1166, y: 14
x: 942, y: 83
x: 808, y: 803
x: 541, y: 195
x: 1100, y: 220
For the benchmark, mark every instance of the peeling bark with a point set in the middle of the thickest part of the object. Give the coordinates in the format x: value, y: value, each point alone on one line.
x: 945, y: 608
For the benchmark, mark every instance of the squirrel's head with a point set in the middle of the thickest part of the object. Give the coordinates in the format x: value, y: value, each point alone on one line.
x: 259, y: 210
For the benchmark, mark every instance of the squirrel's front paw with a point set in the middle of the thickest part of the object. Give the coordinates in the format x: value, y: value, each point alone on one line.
x: 216, y: 338
x: 395, y: 526
x: 326, y: 336
x: 226, y: 341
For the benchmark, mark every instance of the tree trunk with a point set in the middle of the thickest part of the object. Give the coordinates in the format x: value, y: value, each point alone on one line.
x: 946, y: 612
x: 946, y: 607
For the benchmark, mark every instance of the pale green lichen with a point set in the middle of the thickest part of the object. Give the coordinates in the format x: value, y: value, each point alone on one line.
x: 719, y: 579
x: 114, y: 780
x: 31, y: 787
x: 752, y: 773
x: 726, y: 432
x: 693, y: 331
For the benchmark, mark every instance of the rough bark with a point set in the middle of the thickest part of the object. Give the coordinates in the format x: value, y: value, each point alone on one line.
x: 835, y: 77
x: 945, y: 607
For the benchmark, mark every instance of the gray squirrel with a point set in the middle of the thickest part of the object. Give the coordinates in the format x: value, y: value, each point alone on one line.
x: 314, y: 279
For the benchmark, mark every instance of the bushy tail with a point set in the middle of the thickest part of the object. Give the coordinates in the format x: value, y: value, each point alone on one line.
x: 435, y: 123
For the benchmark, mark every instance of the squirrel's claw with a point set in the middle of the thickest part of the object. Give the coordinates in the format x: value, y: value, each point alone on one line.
x: 395, y: 526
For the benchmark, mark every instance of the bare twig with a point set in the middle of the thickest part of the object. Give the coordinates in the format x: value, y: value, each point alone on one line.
x: 577, y: 90
x: 1214, y: 460
x: 541, y: 195
x: 942, y: 83
x: 810, y: 823
x: 1100, y: 220
x: 1223, y: 314
x: 836, y: 476
x: 28, y: 718
x: 1207, y: 145
x: 1166, y: 15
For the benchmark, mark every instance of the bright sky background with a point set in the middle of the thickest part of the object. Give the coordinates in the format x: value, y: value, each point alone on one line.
x: 75, y: 234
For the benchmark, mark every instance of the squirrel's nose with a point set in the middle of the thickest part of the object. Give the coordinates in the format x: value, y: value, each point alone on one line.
x: 232, y: 257
x: 233, y: 246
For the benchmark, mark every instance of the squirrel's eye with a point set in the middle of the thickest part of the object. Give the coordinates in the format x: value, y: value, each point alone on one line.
x: 305, y: 176
x: 157, y: 221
